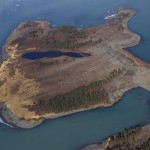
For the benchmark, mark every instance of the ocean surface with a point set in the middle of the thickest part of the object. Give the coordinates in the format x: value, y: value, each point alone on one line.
x: 74, y: 131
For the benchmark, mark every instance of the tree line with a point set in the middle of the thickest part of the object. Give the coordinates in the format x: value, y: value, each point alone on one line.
x: 81, y: 97
x: 65, y: 37
x: 69, y: 41
x: 125, y: 140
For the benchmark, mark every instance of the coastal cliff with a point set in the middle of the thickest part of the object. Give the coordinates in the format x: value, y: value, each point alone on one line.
x: 34, y: 90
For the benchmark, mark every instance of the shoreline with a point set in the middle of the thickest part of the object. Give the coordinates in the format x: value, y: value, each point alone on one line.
x: 104, y: 142
x: 8, y: 117
x: 11, y: 118
x: 2, y: 121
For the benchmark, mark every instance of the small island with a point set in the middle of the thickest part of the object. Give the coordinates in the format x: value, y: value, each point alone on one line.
x: 89, y: 69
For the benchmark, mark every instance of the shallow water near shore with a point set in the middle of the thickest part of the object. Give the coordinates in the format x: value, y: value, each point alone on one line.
x: 72, y: 132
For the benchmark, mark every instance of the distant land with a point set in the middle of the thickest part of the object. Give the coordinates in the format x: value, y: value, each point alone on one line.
x: 135, y: 138
x: 33, y: 90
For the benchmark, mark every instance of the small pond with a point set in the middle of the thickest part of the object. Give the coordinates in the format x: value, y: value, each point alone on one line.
x: 51, y: 54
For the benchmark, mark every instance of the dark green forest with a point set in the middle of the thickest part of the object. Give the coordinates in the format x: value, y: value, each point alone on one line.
x: 70, y: 36
x: 81, y: 97
x: 126, y: 140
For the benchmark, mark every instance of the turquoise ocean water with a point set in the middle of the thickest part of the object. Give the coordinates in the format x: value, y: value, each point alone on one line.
x: 74, y: 131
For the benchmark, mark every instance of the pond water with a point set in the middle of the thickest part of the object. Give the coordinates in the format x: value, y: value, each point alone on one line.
x: 80, y: 13
x: 74, y: 131
x: 49, y: 54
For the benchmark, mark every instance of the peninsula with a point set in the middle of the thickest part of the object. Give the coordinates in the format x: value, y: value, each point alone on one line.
x: 32, y: 90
